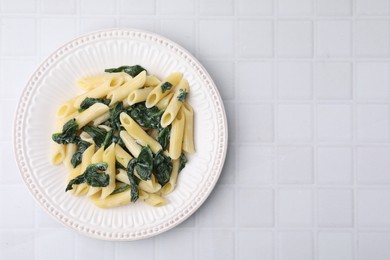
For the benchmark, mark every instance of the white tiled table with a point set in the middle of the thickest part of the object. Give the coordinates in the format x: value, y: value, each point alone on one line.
x: 306, y: 85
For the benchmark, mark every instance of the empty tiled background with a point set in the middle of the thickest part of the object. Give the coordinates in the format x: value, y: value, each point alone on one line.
x: 306, y: 86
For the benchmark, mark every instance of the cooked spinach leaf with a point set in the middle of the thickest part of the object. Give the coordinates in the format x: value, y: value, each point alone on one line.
x: 68, y: 134
x: 144, y: 164
x: 121, y: 189
x: 131, y: 70
x: 93, y: 176
x: 163, y: 137
x: 115, y: 111
x: 87, y: 102
x: 98, y: 135
x: 145, y: 117
x: 166, y: 86
x: 163, y: 167
x: 108, y: 139
x: 78, y: 155
x: 182, y: 95
x: 183, y: 161
x: 134, y: 185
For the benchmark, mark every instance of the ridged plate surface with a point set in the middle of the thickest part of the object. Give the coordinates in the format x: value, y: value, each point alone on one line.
x: 54, y: 82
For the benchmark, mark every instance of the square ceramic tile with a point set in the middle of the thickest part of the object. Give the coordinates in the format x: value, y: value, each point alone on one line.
x: 218, y: 210
x: 373, y: 245
x: 16, y: 244
x: 45, y: 220
x: 373, y: 7
x: 334, y: 122
x: 334, y: 165
x: 58, y: 6
x: 255, y: 80
x: 97, y: 7
x: 56, y: 32
x: 335, y: 208
x: 147, y: 24
x: 373, y: 165
x: 16, y: 201
x: 334, y: 39
x: 295, y: 39
x: 334, y: 7
x: 333, y: 80
x: 216, y: 39
x: 136, y: 7
x: 295, y: 7
x: 182, y: 32
x: 256, y: 213
x: 216, y: 245
x: 259, y: 127
x: 335, y: 246
x: 373, y: 209
x: 255, y: 39
x: 295, y: 165
x: 165, y: 250
x: 177, y: 6
x: 255, y: 7
x: 216, y: 7
x: 9, y: 173
x: 16, y: 73
x: 18, y: 6
x: 255, y: 245
x: 222, y: 73
x: 295, y: 122
x: 295, y: 80
x: 94, y: 24
x: 10, y: 40
x: 229, y: 167
x: 255, y: 164
x: 373, y: 80
x: 373, y: 122
x: 295, y: 208
x: 62, y: 250
x: 295, y: 245
x: 141, y: 249
x: 89, y: 248
x: 7, y: 112
x: 372, y: 38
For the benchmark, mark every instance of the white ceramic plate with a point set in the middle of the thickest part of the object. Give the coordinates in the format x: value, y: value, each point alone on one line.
x: 54, y: 82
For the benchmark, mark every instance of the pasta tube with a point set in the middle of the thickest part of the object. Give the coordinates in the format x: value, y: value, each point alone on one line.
x: 158, y: 93
x: 91, y: 113
x: 188, y: 138
x: 177, y: 131
x: 151, y: 81
x: 96, y: 158
x: 123, y: 91
x: 66, y: 109
x: 170, y: 186
x: 163, y: 103
x: 86, y: 160
x: 109, y: 158
x: 176, y: 102
x: 122, y: 156
x: 138, y: 95
x: 130, y: 144
x: 138, y: 133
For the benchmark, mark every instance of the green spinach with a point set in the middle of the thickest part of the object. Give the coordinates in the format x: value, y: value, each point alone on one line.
x: 163, y: 137
x: 163, y: 167
x: 115, y: 112
x: 182, y: 95
x: 183, y: 161
x: 145, y: 117
x: 131, y: 70
x: 108, y: 139
x: 68, y: 134
x: 93, y: 176
x: 132, y: 179
x: 166, y: 86
x: 121, y: 189
x: 87, y: 102
x: 78, y: 155
x: 98, y: 135
x: 144, y: 164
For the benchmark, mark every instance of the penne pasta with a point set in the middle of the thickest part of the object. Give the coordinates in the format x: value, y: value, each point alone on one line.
x: 91, y: 82
x: 188, y: 137
x: 91, y: 113
x: 138, y: 95
x: 170, y: 186
x: 130, y: 144
x: 101, y: 119
x: 66, y: 109
x: 120, y: 93
x: 96, y: 158
x: 109, y: 158
x: 151, y: 81
x: 176, y: 103
x: 136, y: 131
x: 155, y: 200
x: 85, y: 161
x: 177, y: 131
x: 160, y: 92
x: 163, y: 103
x: 70, y: 149
x: 122, y: 156
x: 58, y: 154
